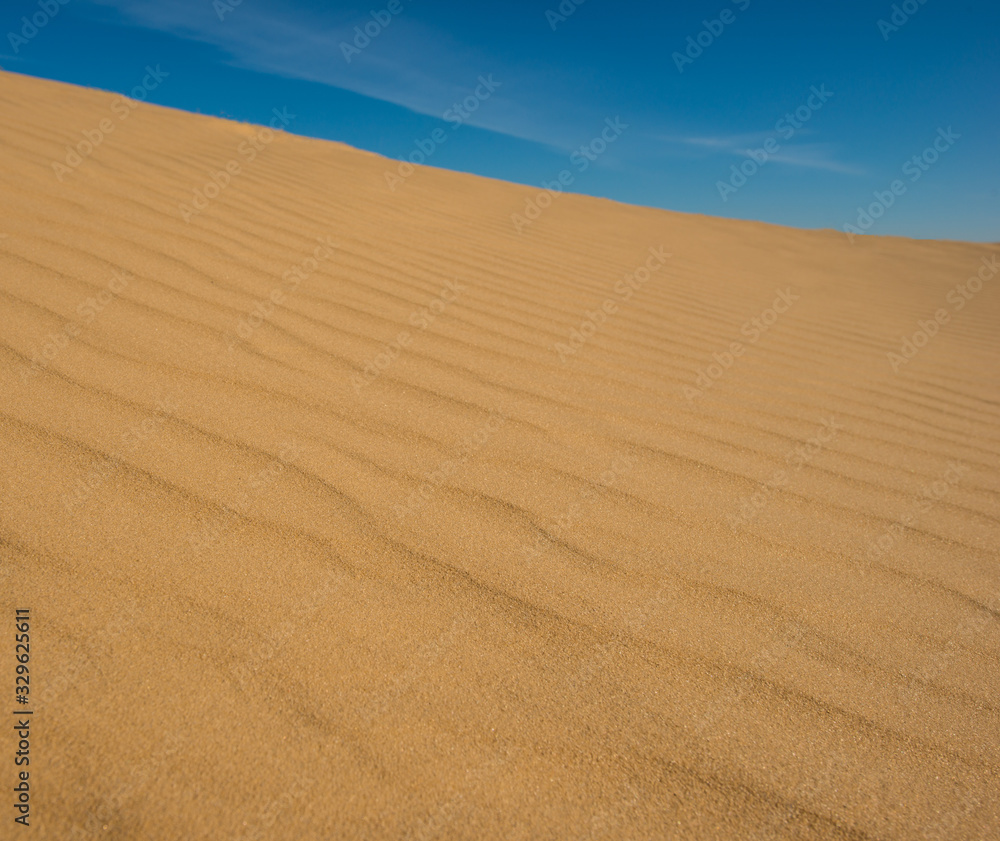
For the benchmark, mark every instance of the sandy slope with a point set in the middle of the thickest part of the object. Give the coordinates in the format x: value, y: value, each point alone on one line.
x: 499, y: 590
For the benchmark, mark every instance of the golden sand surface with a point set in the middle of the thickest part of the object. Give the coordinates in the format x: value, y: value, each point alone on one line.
x: 338, y: 516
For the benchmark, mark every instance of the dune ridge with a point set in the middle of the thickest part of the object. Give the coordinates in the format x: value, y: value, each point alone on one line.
x: 645, y: 586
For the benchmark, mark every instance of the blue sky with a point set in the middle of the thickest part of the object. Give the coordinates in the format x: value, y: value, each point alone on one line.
x: 693, y: 111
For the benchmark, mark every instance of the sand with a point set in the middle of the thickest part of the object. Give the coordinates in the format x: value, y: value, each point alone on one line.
x: 423, y: 550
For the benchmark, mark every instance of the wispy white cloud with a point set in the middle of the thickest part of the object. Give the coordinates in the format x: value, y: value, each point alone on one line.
x: 408, y: 64
x: 418, y: 67
x: 725, y: 142
x: 805, y: 155
x: 816, y: 156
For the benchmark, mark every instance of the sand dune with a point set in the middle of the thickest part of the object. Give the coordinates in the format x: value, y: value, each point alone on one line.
x: 623, y: 525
